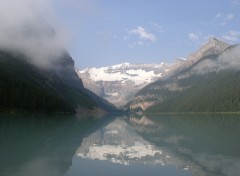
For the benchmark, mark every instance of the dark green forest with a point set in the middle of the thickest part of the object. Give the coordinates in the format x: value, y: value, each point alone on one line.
x: 211, y: 92
x: 24, y: 87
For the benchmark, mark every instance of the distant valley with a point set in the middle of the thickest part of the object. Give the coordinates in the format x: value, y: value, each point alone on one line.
x: 199, y: 83
x: 119, y: 83
x: 206, y: 81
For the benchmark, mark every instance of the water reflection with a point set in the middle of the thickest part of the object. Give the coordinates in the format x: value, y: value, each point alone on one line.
x: 118, y: 143
x: 190, y: 145
x: 208, y: 145
x: 39, y: 145
x: 149, y: 145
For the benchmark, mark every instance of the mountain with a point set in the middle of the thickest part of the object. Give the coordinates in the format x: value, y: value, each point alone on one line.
x: 210, y: 83
x: 27, y: 87
x: 213, y: 46
x: 119, y: 83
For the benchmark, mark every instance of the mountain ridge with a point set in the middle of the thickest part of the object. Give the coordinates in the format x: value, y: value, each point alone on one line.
x: 119, y: 83
x: 198, y: 87
x: 26, y: 87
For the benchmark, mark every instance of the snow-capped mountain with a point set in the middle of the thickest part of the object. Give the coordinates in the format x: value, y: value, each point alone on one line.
x: 119, y: 83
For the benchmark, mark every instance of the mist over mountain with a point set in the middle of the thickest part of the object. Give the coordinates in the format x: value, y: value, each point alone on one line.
x: 211, y: 47
x: 25, y: 30
x: 26, y: 87
x: 37, y: 72
x: 27, y: 40
x: 208, y: 82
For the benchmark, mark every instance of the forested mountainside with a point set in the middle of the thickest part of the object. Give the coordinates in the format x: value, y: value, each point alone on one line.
x: 211, y: 84
x: 26, y: 87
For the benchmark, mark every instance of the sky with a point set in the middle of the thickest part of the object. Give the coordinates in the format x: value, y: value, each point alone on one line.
x: 106, y: 32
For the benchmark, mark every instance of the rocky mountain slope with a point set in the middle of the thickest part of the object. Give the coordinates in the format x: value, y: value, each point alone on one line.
x: 27, y: 87
x: 36, y: 71
x: 208, y: 82
x: 213, y: 46
x: 119, y: 83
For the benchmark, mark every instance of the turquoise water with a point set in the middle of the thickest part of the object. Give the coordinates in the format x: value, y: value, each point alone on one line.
x: 62, y: 145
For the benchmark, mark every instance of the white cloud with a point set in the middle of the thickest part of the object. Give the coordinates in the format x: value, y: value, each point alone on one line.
x: 134, y: 44
x: 158, y: 27
x: 207, y: 37
x: 143, y: 34
x: 193, y: 37
x: 234, y: 33
x: 232, y: 36
x: 230, y: 16
x: 24, y: 29
x: 140, y: 43
x: 235, y: 2
x: 223, y: 24
x: 219, y: 15
x: 107, y: 35
x: 223, y: 19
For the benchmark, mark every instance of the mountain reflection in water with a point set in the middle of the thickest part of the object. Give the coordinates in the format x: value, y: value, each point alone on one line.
x: 118, y: 143
x: 39, y: 145
x: 194, y: 145
x: 200, y: 145
x: 208, y: 145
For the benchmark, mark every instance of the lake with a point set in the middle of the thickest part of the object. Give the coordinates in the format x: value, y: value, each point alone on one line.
x: 117, y: 145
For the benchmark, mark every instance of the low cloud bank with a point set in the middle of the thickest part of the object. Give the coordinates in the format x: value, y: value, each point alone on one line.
x: 24, y: 29
x: 227, y: 60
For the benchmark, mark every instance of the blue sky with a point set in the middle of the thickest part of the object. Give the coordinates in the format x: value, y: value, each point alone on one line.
x: 107, y: 32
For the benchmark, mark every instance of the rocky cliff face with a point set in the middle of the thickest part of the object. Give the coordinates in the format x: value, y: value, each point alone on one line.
x: 119, y: 83
x: 213, y: 46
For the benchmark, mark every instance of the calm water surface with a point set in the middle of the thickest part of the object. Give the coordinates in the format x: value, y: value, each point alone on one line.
x: 166, y: 145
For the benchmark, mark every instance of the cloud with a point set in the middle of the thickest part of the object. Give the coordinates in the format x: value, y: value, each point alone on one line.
x: 219, y: 15
x: 230, y: 16
x: 223, y: 19
x: 158, y: 27
x: 134, y: 44
x: 78, y: 8
x: 107, y: 35
x: 227, y: 60
x: 231, y: 36
x: 223, y: 24
x: 24, y: 29
x: 193, y: 37
x: 143, y: 34
x: 235, y: 2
